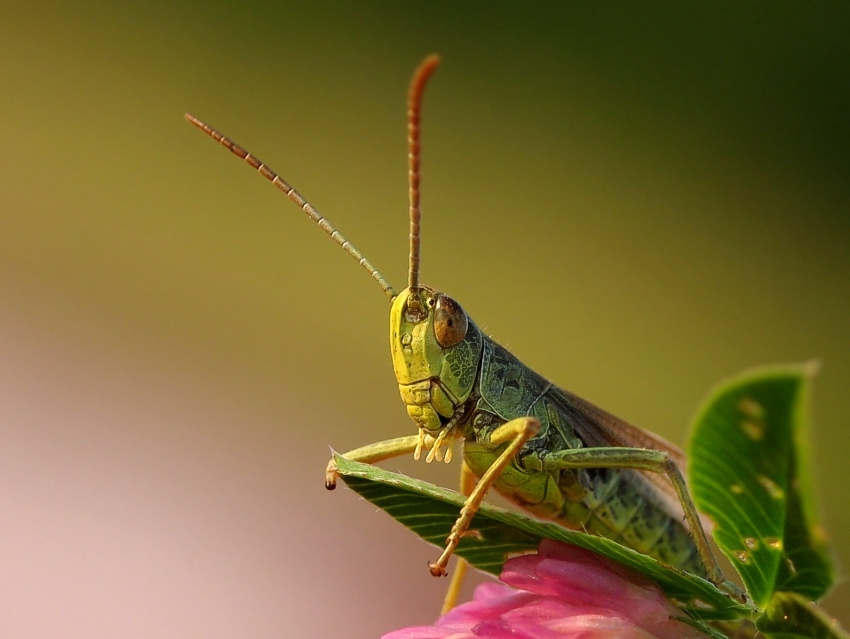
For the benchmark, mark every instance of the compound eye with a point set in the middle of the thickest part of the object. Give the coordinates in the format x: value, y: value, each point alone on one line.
x: 450, y: 322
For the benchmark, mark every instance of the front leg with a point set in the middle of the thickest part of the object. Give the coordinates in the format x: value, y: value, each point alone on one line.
x: 374, y: 453
x: 517, y: 432
x: 467, y: 485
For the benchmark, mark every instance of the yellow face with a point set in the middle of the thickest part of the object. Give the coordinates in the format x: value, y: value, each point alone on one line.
x: 435, y: 351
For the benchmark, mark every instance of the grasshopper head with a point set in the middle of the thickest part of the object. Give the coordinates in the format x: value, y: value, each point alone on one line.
x: 435, y: 349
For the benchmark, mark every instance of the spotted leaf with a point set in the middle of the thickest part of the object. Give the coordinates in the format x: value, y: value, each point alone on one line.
x: 749, y: 473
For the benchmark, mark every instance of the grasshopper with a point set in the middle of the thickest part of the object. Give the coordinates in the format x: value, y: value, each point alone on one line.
x: 550, y: 452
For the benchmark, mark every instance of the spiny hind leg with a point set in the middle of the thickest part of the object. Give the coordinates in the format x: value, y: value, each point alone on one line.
x: 517, y: 432
x: 372, y: 454
x: 654, y: 461
x: 467, y: 485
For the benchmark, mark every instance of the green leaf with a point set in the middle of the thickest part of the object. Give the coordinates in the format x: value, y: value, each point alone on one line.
x: 748, y: 472
x: 789, y: 616
x: 709, y: 630
x: 430, y: 512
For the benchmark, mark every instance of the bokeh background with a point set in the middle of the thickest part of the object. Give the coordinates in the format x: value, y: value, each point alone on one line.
x: 637, y: 200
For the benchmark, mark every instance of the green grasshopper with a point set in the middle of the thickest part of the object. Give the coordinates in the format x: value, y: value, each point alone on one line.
x: 545, y: 449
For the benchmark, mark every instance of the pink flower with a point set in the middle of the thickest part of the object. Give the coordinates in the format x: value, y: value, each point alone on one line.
x: 563, y: 591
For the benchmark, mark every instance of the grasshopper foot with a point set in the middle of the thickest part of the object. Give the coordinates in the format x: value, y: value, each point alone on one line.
x: 331, y: 473
x: 437, y: 570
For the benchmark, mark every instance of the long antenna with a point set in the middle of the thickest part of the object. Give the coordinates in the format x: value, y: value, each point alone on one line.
x: 296, y: 197
x: 414, y: 108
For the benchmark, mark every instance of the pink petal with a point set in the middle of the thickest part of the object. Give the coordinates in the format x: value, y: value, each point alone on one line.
x: 563, y: 592
x: 488, y: 603
x: 588, y: 627
x: 586, y: 579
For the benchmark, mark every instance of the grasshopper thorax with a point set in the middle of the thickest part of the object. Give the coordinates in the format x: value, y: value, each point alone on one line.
x: 435, y: 349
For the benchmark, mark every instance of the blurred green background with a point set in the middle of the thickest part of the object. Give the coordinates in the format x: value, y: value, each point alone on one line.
x: 638, y: 200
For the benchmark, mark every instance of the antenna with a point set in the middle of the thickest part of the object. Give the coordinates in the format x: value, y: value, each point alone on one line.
x: 296, y: 197
x: 414, y: 108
